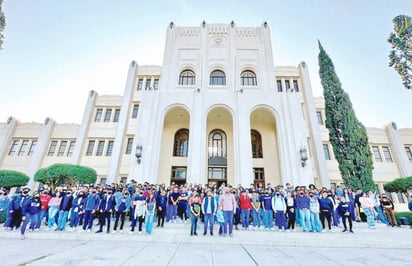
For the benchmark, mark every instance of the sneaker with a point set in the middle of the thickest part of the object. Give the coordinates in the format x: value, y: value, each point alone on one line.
x: 36, y: 230
x: 287, y: 230
x: 131, y: 232
x: 140, y: 232
x: 114, y: 232
x: 344, y: 230
x: 121, y: 231
x: 351, y: 231
x: 22, y: 237
x: 88, y: 231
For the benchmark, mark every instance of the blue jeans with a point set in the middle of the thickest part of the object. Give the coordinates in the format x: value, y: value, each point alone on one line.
x: 268, y: 219
x: 52, y: 216
x: 281, y: 219
x: 208, y: 219
x: 61, y: 224
x: 256, y: 217
x: 315, y: 222
x: 149, y: 222
x: 88, y: 219
x: 193, y: 227
x: 228, y: 222
x: 305, y: 219
x: 32, y: 219
x: 381, y: 216
x: 245, y: 214
x: 370, y: 216
x: 42, y: 215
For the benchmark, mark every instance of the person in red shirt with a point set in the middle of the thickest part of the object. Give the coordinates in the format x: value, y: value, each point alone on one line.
x: 44, y: 203
x: 245, y: 207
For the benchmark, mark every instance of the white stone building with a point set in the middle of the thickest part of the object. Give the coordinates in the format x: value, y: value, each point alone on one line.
x: 217, y: 110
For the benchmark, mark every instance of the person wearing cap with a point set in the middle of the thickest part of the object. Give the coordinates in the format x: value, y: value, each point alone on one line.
x: 30, y: 213
x: 388, y: 209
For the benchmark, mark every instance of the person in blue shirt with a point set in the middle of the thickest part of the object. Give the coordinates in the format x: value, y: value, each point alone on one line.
x: 266, y: 200
x: 15, y: 208
x: 4, y: 202
x: 344, y: 211
x: 30, y: 213
x: 138, y: 210
x: 182, y: 207
x: 209, y: 208
x: 303, y: 206
x: 106, y: 208
x: 91, y: 206
x: 410, y: 204
x: 326, y: 209
x: 77, y: 211
x: 123, y: 203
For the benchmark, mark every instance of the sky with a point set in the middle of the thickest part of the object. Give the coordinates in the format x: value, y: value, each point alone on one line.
x: 55, y: 52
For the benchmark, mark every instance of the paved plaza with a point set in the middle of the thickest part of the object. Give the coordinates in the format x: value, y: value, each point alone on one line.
x: 173, y: 245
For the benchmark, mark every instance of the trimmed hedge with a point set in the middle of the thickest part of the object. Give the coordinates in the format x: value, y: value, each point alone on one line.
x: 408, y: 215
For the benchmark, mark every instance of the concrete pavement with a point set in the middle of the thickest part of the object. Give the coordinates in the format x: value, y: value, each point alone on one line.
x: 173, y: 245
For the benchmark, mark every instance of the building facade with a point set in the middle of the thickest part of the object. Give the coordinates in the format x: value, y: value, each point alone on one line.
x: 216, y: 111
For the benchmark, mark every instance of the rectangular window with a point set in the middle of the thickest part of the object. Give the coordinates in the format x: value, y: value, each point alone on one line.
x: 100, y: 148
x: 98, y: 116
x: 13, y: 147
x: 295, y: 85
x: 23, y: 148
x: 135, y: 111
x: 62, y: 148
x: 387, y: 154
x: 326, y: 151
x: 32, y: 147
x: 103, y: 181
x: 108, y: 115
x: 147, y: 87
x: 279, y: 85
x: 319, y: 117
x: 129, y: 146
x: 408, y: 153
x: 123, y: 180
x: 156, y: 84
x: 110, y: 148
x: 217, y: 173
x: 90, y: 148
x: 52, y: 148
x: 140, y: 85
x: 376, y: 154
x: 259, y: 173
x: 116, y: 115
x: 178, y: 172
x: 287, y: 85
x: 71, y: 148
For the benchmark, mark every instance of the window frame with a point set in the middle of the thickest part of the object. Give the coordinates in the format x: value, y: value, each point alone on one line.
x: 248, y: 78
x: 135, y: 111
x: 62, y: 148
x: 108, y: 115
x: 181, y: 143
x: 90, y: 147
x: 52, y: 148
x: 279, y: 85
x: 387, y: 154
x: 116, y: 115
x: 257, y: 147
x: 377, y: 156
x: 217, y: 80
x: 99, y: 115
x: 187, y: 77
x: 129, y: 145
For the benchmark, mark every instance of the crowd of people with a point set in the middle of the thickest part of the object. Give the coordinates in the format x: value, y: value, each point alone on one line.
x: 77, y: 208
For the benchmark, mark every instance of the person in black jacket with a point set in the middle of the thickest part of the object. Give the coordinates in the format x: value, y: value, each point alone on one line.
x: 344, y: 211
x: 65, y: 206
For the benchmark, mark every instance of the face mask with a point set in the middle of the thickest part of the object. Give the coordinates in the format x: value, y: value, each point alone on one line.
x: 36, y: 198
x: 277, y: 194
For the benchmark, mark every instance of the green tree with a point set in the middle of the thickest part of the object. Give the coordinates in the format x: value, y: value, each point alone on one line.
x: 68, y: 174
x: 400, y: 57
x: 346, y: 134
x: 2, y: 24
x: 400, y: 185
x: 9, y: 179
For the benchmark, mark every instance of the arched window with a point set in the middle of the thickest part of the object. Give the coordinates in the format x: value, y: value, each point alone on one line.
x: 187, y: 77
x: 217, y: 77
x: 181, y: 144
x: 256, y: 144
x: 248, y: 78
x: 217, y: 144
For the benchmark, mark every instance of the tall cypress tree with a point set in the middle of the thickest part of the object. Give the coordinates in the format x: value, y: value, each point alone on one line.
x: 347, y: 135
